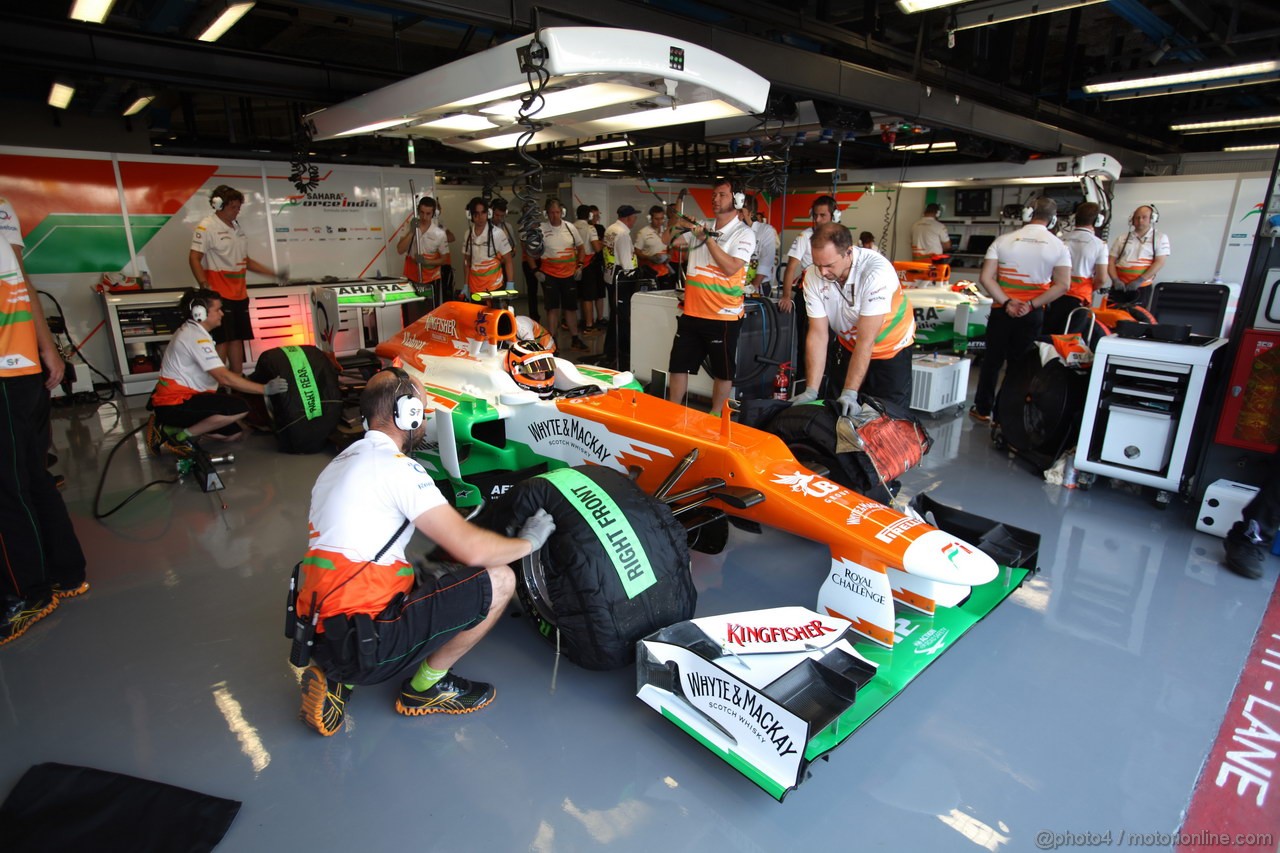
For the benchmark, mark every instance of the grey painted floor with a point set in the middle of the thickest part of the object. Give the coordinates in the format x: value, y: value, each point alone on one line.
x: 1086, y: 702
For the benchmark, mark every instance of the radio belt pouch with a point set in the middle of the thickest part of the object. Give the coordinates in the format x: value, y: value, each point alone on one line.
x: 351, y: 643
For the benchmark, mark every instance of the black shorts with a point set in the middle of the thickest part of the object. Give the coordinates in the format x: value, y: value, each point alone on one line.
x: 592, y: 284
x: 697, y: 339
x: 559, y: 293
x: 412, y: 626
x: 235, y: 325
x: 197, y: 408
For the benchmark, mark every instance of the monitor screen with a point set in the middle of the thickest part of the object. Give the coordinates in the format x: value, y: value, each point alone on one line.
x: 973, y: 202
x: 979, y: 243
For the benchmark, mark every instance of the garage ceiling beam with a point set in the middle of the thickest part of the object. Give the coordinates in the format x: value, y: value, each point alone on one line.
x: 71, y: 47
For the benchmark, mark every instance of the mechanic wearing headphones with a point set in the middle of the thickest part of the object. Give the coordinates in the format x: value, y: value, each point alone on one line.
x: 1023, y: 271
x: 713, y: 297
x: 219, y: 257
x: 760, y: 268
x: 856, y: 293
x: 1088, y: 268
x: 929, y: 237
x: 800, y: 256
x: 486, y: 255
x: 1137, y: 257
x: 373, y: 619
x: 185, y: 402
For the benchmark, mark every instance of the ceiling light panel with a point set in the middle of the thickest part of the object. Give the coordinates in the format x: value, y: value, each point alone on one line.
x: 60, y: 95
x: 1001, y: 11
x: 601, y: 81
x: 91, y: 11
x: 1215, y: 126
x: 231, y: 13
x: 1181, y: 78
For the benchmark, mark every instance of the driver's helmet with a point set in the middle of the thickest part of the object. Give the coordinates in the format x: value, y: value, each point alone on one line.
x: 532, y: 367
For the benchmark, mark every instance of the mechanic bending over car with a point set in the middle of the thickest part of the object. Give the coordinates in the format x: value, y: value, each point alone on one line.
x: 856, y: 294
x: 357, y: 597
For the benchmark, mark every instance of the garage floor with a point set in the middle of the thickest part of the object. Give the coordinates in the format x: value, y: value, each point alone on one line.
x: 1086, y: 702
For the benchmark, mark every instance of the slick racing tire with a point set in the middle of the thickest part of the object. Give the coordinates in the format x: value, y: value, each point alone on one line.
x: 606, y: 578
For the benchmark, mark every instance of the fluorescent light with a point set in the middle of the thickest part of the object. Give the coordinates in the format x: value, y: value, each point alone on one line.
x: 464, y: 123
x: 664, y: 117
x: 139, y: 104
x: 1000, y: 11
x: 91, y: 11
x: 60, y: 95
x: 608, y: 170
x: 1225, y: 124
x: 994, y: 182
x: 604, y: 146
x: 504, y: 92
x: 576, y: 100
x: 825, y: 171
x: 375, y: 127
x: 1190, y: 87
x: 226, y: 19
x: 752, y: 159
x: 911, y: 6
x: 1273, y: 146
x: 1246, y: 69
x: 932, y: 147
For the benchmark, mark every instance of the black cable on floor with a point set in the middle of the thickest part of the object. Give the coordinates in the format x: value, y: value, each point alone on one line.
x: 97, y: 495
x: 75, y: 348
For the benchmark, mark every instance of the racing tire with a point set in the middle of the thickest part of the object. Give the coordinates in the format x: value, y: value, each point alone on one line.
x: 576, y: 586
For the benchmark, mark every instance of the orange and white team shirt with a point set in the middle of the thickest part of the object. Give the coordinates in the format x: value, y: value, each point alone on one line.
x: 184, y: 372
x: 432, y: 245
x: 1087, y: 253
x: 483, y: 254
x: 226, y: 256
x: 587, y: 232
x: 710, y: 293
x: 928, y: 236
x: 1025, y: 261
x: 559, y: 249
x: 19, y: 347
x: 360, y: 499
x: 1134, y: 255
x: 871, y: 290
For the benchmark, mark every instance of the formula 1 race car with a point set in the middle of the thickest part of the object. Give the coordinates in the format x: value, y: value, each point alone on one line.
x: 487, y: 433
x: 950, y: 317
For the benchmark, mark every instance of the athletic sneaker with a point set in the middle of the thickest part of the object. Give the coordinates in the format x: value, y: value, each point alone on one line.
x: 588, y: 331
x: 153, y: 436
x: 576, y: 343
x: 71, y: 592
x: 978, y: 416
x: 21, y: 614
x: 1246, y: 549
x: 324, y: 702
x: 449, y: 695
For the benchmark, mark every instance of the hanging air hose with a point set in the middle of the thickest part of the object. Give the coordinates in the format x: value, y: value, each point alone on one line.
x: 528, y: 184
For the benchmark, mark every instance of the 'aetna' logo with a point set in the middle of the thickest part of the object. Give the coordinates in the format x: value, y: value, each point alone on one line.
x: 741, y: 635
x: 438, y: 324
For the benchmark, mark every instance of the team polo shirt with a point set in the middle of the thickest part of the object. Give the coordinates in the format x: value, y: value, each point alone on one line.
x: 1025, y: 261
x: 802, y: 250
x: 708, y: 292
x: 928, y: 236
x: 618, y: 249
x: 360, y: 499
x: 226, y: 256
x: 872, y: 289
x: 766, y: 256
x: 482, y: 251
x: 1134, y: 254
x: 433, y: 245
x: 19, y: 347
x: 649, y: 242
x: 1087, y: 252
x: 10, y: 228
x: 560, y: 249
x: 587, y: 232
x: 184, y: 372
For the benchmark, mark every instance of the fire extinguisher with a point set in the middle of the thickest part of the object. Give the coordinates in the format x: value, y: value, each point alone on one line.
x: 782, y: 382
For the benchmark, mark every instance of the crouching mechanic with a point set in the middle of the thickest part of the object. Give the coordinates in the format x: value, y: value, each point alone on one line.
x: 373, y: 620
x: 184, y: 403
x: 856, y: 293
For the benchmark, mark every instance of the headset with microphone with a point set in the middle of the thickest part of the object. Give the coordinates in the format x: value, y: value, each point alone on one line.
x: 1155, y: 213
x: 197, y: 306
x: 1029, y: 210
x: 829, y: 202
x: 471, y: 207
x: 409, y: 413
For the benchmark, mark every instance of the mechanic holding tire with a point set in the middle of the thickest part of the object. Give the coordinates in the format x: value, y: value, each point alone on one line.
x: 361, y: 614
x: 856, y: 293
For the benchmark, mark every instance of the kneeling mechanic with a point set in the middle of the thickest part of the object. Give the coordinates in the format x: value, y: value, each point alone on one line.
x: 373, y: 621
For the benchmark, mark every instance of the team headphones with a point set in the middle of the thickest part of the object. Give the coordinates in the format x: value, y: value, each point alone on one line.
x: 1029, y: 210
x: 828, y: 202
x: 471, y: 206
x: 197, y: 306
x: 409, y: 412
x: 216, y: 198
x: 1155, y: 213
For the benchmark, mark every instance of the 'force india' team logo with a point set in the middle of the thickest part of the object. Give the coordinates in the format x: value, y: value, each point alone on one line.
x: 805, y: 484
